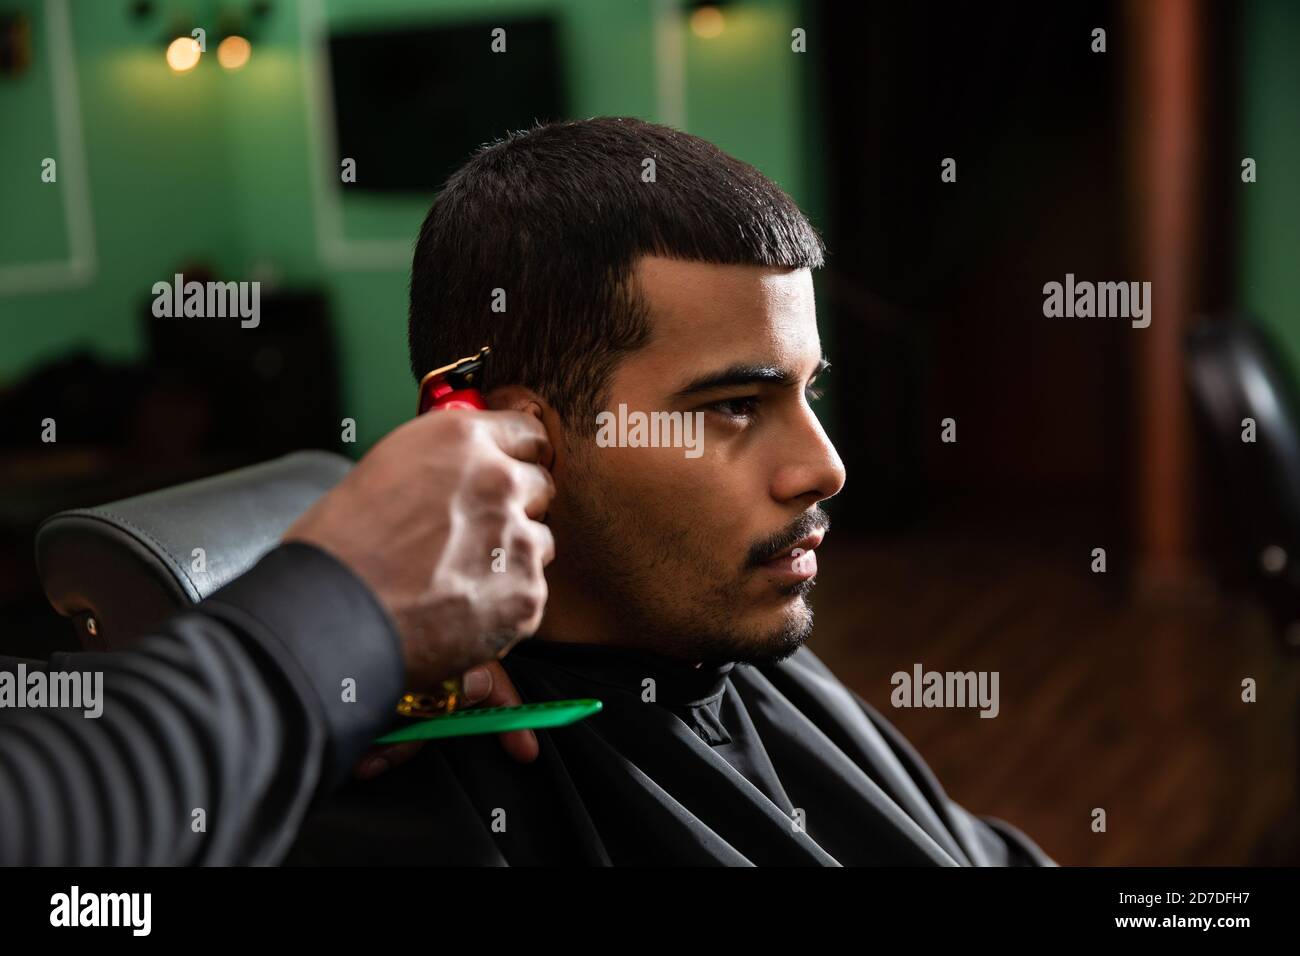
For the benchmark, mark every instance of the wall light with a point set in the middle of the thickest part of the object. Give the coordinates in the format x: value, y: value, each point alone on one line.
x: 233, y: 52
x: 707, y: 22
x: 183, y: 54
x: 232, y: 27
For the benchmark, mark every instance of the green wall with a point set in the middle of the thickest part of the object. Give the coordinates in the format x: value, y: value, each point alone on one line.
x: 158, y: 189
x: 1270, y: 133
x: 218, y: 166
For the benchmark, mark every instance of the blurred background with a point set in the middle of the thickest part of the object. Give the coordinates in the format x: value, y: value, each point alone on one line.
x: 1120, y: 690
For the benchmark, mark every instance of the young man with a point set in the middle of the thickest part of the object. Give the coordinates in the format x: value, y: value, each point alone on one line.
x: 623, y: 274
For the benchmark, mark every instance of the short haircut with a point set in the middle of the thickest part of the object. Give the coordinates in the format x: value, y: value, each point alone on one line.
x: 557, y: 217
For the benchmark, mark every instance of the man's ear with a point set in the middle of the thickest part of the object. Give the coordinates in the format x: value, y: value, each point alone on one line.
x: 520, y: 399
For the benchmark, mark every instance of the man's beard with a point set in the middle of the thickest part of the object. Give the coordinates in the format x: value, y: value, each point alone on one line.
x: 626, y: 561
x: 697, y: 631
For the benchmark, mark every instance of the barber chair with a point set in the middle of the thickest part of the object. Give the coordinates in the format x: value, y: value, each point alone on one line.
x: 121, y: 569
x: 1237, y: 373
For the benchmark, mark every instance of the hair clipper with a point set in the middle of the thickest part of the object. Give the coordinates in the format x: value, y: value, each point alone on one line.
x: 458, y: 385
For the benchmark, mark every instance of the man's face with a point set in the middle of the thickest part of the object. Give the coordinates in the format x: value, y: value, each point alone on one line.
x: 691, y: 556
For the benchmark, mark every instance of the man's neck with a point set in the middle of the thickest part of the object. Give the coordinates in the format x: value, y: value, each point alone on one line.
x: 572, y: 617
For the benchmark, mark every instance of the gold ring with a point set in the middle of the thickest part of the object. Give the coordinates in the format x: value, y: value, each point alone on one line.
x: 433, y: 705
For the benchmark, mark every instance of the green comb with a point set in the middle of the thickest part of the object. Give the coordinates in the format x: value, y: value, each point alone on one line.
x: 495, y: 720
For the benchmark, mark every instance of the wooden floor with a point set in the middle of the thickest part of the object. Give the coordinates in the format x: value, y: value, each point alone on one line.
x: 1104, y: 703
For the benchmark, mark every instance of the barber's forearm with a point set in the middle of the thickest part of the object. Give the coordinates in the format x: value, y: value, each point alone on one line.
x: 331, y: 639
x: 216, y: 735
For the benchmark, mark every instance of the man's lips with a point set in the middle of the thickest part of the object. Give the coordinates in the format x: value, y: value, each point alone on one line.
x: 799, y: 561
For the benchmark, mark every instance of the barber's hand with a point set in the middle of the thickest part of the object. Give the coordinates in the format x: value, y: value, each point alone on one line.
x: 419, y: 519
x: 487, y: 685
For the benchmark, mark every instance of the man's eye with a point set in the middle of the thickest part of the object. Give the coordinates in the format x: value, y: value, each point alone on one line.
x: 737, y: 407
x: 813, y: 393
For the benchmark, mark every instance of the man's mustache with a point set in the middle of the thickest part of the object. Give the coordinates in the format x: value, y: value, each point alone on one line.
x: 814, y: 519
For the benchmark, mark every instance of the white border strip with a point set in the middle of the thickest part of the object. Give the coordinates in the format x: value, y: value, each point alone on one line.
x: 80, y: 266
x: 670, y: 63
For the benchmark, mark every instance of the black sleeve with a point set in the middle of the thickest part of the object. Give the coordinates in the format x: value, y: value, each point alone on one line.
x: 216, y: 734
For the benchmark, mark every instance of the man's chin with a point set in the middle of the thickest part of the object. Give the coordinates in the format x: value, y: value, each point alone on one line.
x: 776, y: 642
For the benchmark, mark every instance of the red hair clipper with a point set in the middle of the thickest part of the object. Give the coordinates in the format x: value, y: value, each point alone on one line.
x: 452, y: 386
x: 456, y: 385
x: 459, y: 385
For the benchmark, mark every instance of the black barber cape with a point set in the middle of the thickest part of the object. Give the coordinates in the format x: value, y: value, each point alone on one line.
x: 734, y: 765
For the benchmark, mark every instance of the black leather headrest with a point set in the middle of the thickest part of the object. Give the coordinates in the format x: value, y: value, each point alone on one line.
x: 121, y: 569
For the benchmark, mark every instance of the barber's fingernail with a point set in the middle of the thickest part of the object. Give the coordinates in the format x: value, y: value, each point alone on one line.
x: 477, y: 684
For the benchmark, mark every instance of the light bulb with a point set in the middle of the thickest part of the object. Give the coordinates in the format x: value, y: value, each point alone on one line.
x: 183, y: 54
x: 707, y: 22
x: 233, y: 52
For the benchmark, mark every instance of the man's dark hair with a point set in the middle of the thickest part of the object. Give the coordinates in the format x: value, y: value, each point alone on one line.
x: 557, y: 217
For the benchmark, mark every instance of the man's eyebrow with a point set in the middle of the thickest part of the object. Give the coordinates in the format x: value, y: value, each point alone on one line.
x: 743, y: 374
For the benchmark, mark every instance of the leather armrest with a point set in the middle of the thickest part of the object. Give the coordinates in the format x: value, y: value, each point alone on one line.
x: 121, y: 569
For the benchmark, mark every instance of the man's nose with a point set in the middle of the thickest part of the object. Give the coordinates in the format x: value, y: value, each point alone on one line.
x: 810, y: 466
